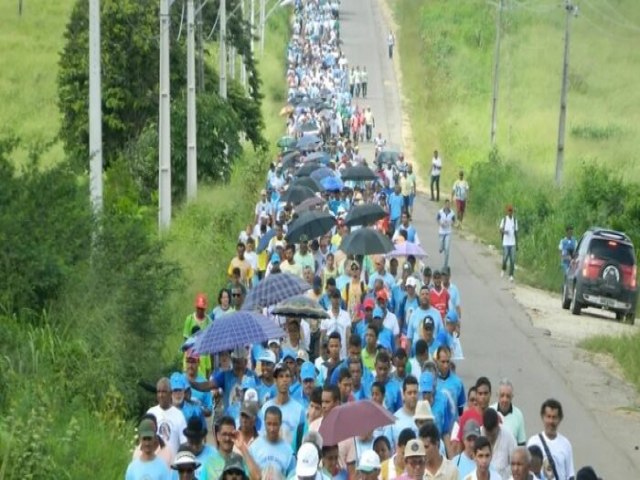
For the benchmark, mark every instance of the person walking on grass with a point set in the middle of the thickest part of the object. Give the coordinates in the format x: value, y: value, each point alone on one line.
x: 436, y: 169
x: 509, y: 231
x: 459, y: 194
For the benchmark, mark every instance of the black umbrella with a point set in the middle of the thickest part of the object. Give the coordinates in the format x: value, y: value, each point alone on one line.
x: 308, y: 142
x: 296, y: 195
x: 365, y: 215
x: 309, y: 204
x: 388, y: 157
x: 290, y: 155
x: 306, y: 182
x: 366, y: 241
x: 311, y: 224
x: 307, y: 169
x: 358, y: 173
x: 322, y: 157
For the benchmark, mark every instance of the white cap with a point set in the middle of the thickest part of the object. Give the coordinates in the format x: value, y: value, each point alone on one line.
x: 411, y: 282
x: 267, y: 356
x: 184, y: 458
x: 274, y: 340
x: 251, y: 395
x: 369, y: 461
x: 308, y: 460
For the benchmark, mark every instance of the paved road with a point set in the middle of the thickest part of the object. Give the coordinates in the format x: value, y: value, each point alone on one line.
x: 498, y: 338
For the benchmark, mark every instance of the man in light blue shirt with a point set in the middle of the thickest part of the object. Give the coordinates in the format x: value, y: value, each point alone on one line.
x: 392, y: 395
x: 454, y: 293
x: 447, y: 379
x: 424, y: 310
x: 404, y: 416
x: 269, y: 450
x: 464, y: 460
x: 396, y: 202
x: 149, y: 465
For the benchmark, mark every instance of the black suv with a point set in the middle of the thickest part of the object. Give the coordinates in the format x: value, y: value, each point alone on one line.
x: 602, y: 274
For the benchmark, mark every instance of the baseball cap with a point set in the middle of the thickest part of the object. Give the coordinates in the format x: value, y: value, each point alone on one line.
x: 239, y: 353
x: 426, y: 382
x: 452, y: 316
x: 471, y: 429
x: 378, y: 313
x: 146, y: 428
x: 201, y: 301
x: 234, y: 465
x: 423, y: 411
x: 267, y: 356
x: 414, y: 448
x: 428, y: 323
x: 308, y: 460
x: 191, y: 353
x: 289, y: 353
x: 369, y: 303
x: 411, y: 282
x: 274, y: 340
x: 250, y: 408
x: 307, y: 371
x: 426, y: 272
x: 369, y: 461
x: 178, y: 381
x: 184, y: 459
x: 382, y: 294
x: 275, y: 258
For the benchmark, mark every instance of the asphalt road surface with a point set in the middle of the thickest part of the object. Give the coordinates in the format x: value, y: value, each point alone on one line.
x: 497, y: 335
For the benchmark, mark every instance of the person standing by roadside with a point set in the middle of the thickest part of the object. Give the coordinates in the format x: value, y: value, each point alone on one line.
x: 557, y: 449
x: 364, y: 80
x: 436, y: 169
x: 567, y: 248
x: 369, y: 119
x: 460, y: 193
x: 445, y: 218
x: 509, y: 231
x: 391, y: 41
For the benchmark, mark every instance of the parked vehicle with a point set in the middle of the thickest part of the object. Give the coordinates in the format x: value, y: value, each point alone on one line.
x: 602, y: 274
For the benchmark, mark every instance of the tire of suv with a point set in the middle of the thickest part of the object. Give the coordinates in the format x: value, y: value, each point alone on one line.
x: 575, y: 306
x: 630, y: 318
x: 566, y: 301
x: 620, y: 316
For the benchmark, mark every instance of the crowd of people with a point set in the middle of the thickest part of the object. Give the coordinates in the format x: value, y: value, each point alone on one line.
x: 391, y: 333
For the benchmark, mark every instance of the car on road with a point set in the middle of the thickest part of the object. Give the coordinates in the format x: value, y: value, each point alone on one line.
x: 602, y: 274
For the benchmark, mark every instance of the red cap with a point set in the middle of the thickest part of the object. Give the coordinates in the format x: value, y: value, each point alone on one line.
x: 509, y: 208
x: 369, y: 303
x: 382, y: 294
x: 201, y: 300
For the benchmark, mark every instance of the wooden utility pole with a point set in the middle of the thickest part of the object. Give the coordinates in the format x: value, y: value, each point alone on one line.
x: 496, y: 74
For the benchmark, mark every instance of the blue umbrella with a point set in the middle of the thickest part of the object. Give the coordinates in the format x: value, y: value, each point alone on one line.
x: 321, y: 173
x: 274, y: 289
x: 308, y: 142
x: 265, y: 239
x: 237, y: 329
x: 331, y: 184
x: 322, y: 157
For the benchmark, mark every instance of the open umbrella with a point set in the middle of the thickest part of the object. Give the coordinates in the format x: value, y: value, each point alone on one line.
x: 274, y: 289
x: 331, y: 184
x: 321, y: 173
x: 366, y: 241
x: 407, y: 248
x: 387, y: 157
x: 366, y: 214
x: 310, y: 127
x: 308, y: 142
x: 306, y: 182
x: 358, y: 173
x: 287, y: 142
x: 353, y: 419
x: 296, y: 194
x: 309, y: 204
x: 290, y: 155
x: 237, y: 329
x: 265, y: 239
x: 307, y: 169
x: 322, y: 157
x: 300, y: 306
x: 311, y: 224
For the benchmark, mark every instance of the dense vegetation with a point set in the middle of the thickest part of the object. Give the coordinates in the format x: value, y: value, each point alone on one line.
x: 88, y: 307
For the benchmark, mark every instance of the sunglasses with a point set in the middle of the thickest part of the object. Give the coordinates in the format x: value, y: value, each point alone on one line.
x: 236, y: 294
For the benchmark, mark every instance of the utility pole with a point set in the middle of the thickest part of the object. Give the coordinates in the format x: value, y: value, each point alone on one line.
x: 243, y: 65
x: 496, y: 74
x: 95, y: 108
x: 570, y: 9
x: 232, y: 62
x: 263, y: 20
x: 252, y: 23
x: 223, y: 50
x: 192, y: 159
x: 164, y: 123
x: 200, y: 83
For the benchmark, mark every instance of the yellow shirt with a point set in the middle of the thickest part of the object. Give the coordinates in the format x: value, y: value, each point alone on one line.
x: 246, y: 272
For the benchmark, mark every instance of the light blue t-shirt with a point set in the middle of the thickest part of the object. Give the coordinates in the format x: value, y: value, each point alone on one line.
x: 278, y: 455
x: 203, y: 457
x: 155, y: 469
x: 464, y: 464
x: 392, y: 395
x: 403, y: 420
x: 266, y: 392
x: 454, y: 296
x: 417, y: 317
x: 396, y: 202
x: 453, y: 384
x: 231, y: 386
x: 292, y: 416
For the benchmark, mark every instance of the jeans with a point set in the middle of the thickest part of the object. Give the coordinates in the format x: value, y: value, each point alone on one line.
x: 445, y: 247
x: 369, y: 132
x: 390, y: 51
x: 509, y: 253
x: 435, y: 181
x: 364, y: 89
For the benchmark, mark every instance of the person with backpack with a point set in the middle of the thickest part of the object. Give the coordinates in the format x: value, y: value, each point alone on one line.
x: 509, y: 231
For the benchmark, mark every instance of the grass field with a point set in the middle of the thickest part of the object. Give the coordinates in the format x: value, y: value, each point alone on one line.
x: 455, y: 54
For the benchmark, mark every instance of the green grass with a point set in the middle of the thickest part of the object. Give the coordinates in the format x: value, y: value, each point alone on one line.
x: 625, y: 351
x: 452, y: 48
x: 29, y: 47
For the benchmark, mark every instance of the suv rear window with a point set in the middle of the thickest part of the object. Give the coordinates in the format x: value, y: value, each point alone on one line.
x: 612, y: 250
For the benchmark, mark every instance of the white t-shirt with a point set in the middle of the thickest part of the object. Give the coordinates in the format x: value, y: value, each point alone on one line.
x: 445, y: 221
x: 501, y: 452
x: 509, y: 225
x: 561, y: 451
x: 171, y: 424
x: 391, y: 322
x: 436, y: 166
x: 338, y: 323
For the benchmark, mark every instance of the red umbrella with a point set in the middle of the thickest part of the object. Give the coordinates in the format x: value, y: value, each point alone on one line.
x: 353, y: 419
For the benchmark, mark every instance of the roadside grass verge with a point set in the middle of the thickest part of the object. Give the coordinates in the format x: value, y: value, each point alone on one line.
x: 625, y: 350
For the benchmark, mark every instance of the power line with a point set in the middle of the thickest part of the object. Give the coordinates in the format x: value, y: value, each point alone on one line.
x: 529, y: 7
x: 613, y: 21
x: 181, y: 22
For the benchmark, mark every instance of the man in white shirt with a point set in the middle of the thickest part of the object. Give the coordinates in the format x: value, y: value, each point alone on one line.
x: 555, y: 447
x: 263, y: 206
x: 482, y: 457
x: 338, y: 321
x: 509, y: 231
x: 445, y: 219
x: 502, y: 442
x: 436, y: 168
x: 170, y: 420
